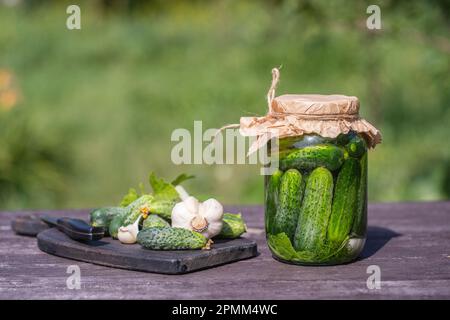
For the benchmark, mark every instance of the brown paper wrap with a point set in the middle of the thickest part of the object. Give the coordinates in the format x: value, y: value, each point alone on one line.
x: 295, y: 115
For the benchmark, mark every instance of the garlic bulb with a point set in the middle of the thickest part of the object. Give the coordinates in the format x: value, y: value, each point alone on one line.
x: 128, y: 234
x: 205, y: 218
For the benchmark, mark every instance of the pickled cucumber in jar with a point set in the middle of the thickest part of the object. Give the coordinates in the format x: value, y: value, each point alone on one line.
x: 316, y: 203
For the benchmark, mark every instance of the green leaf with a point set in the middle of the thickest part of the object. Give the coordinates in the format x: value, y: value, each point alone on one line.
x: 282, y: 246
x: 142, y: 188
x: 162, y: 189
x: 164, y: 192
x: 181, y: 178
x: 131, y: 196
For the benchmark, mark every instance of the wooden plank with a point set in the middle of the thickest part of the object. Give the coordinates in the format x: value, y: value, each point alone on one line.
x: 28, y: 225
x: 408, y: 241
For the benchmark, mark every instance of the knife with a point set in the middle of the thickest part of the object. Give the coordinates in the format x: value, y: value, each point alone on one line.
x: 76, y: 229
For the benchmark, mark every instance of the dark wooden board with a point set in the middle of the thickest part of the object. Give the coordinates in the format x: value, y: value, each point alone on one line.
x: 410, y: 242
x: 112, y: 253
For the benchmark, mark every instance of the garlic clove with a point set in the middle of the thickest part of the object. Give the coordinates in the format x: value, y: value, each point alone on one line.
x: 125, y: 236
x: 211, y: 209
x: 181, y: 217
x: 128, y: 234
x: 192, y: 204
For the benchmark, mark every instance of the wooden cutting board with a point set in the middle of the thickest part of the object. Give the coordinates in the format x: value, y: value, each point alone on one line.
x: 112, y: 253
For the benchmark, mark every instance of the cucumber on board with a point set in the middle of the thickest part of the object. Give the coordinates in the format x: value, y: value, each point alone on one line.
x: 233, y: 226
x: 170, y: 239
x: 308, y: 158
x: 116, y: 223
x: 271, y: 198
x: 102, y: 217
x: 360, y: 222
x: 289, y: 201
x: 154, y: 221
x: 345, y: 201
x: 311, y: 231
x: 162, y: 207
x: 356, y: 147
x: 134, y: 208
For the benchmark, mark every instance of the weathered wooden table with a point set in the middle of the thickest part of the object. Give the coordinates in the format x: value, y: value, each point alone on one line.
x: 409, y: 242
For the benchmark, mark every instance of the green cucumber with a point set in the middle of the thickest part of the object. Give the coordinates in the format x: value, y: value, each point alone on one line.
x: 116, y: 223
x: 289, y: 201
x: 271, y: 199
x: 134, y: 208
x: 170, y: 239
x: 102, y: 217
x: 154, y: 221
x: 345, y: 201
x: 308, y: 158
x: 344, y: 138
x: 356, y: 147
x: 360, y: 224
x: 162, y: 207
x: 233, y: 226
x: 154, y: 204
x: 311, y: 231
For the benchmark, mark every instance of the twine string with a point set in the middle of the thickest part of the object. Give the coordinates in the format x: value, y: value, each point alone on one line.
x: 273, y: 87
x: 306, y: 116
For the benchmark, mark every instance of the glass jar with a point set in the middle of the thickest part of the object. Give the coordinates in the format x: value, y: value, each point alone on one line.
x: 316, y: 201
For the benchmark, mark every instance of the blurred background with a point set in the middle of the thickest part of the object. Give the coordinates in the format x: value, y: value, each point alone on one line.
x: 85, y: 114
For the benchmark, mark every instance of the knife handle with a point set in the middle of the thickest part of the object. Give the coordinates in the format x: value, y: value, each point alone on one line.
x: 78, y: 229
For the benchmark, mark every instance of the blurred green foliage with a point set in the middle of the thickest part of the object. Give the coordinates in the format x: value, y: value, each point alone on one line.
x: 98, y: 105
